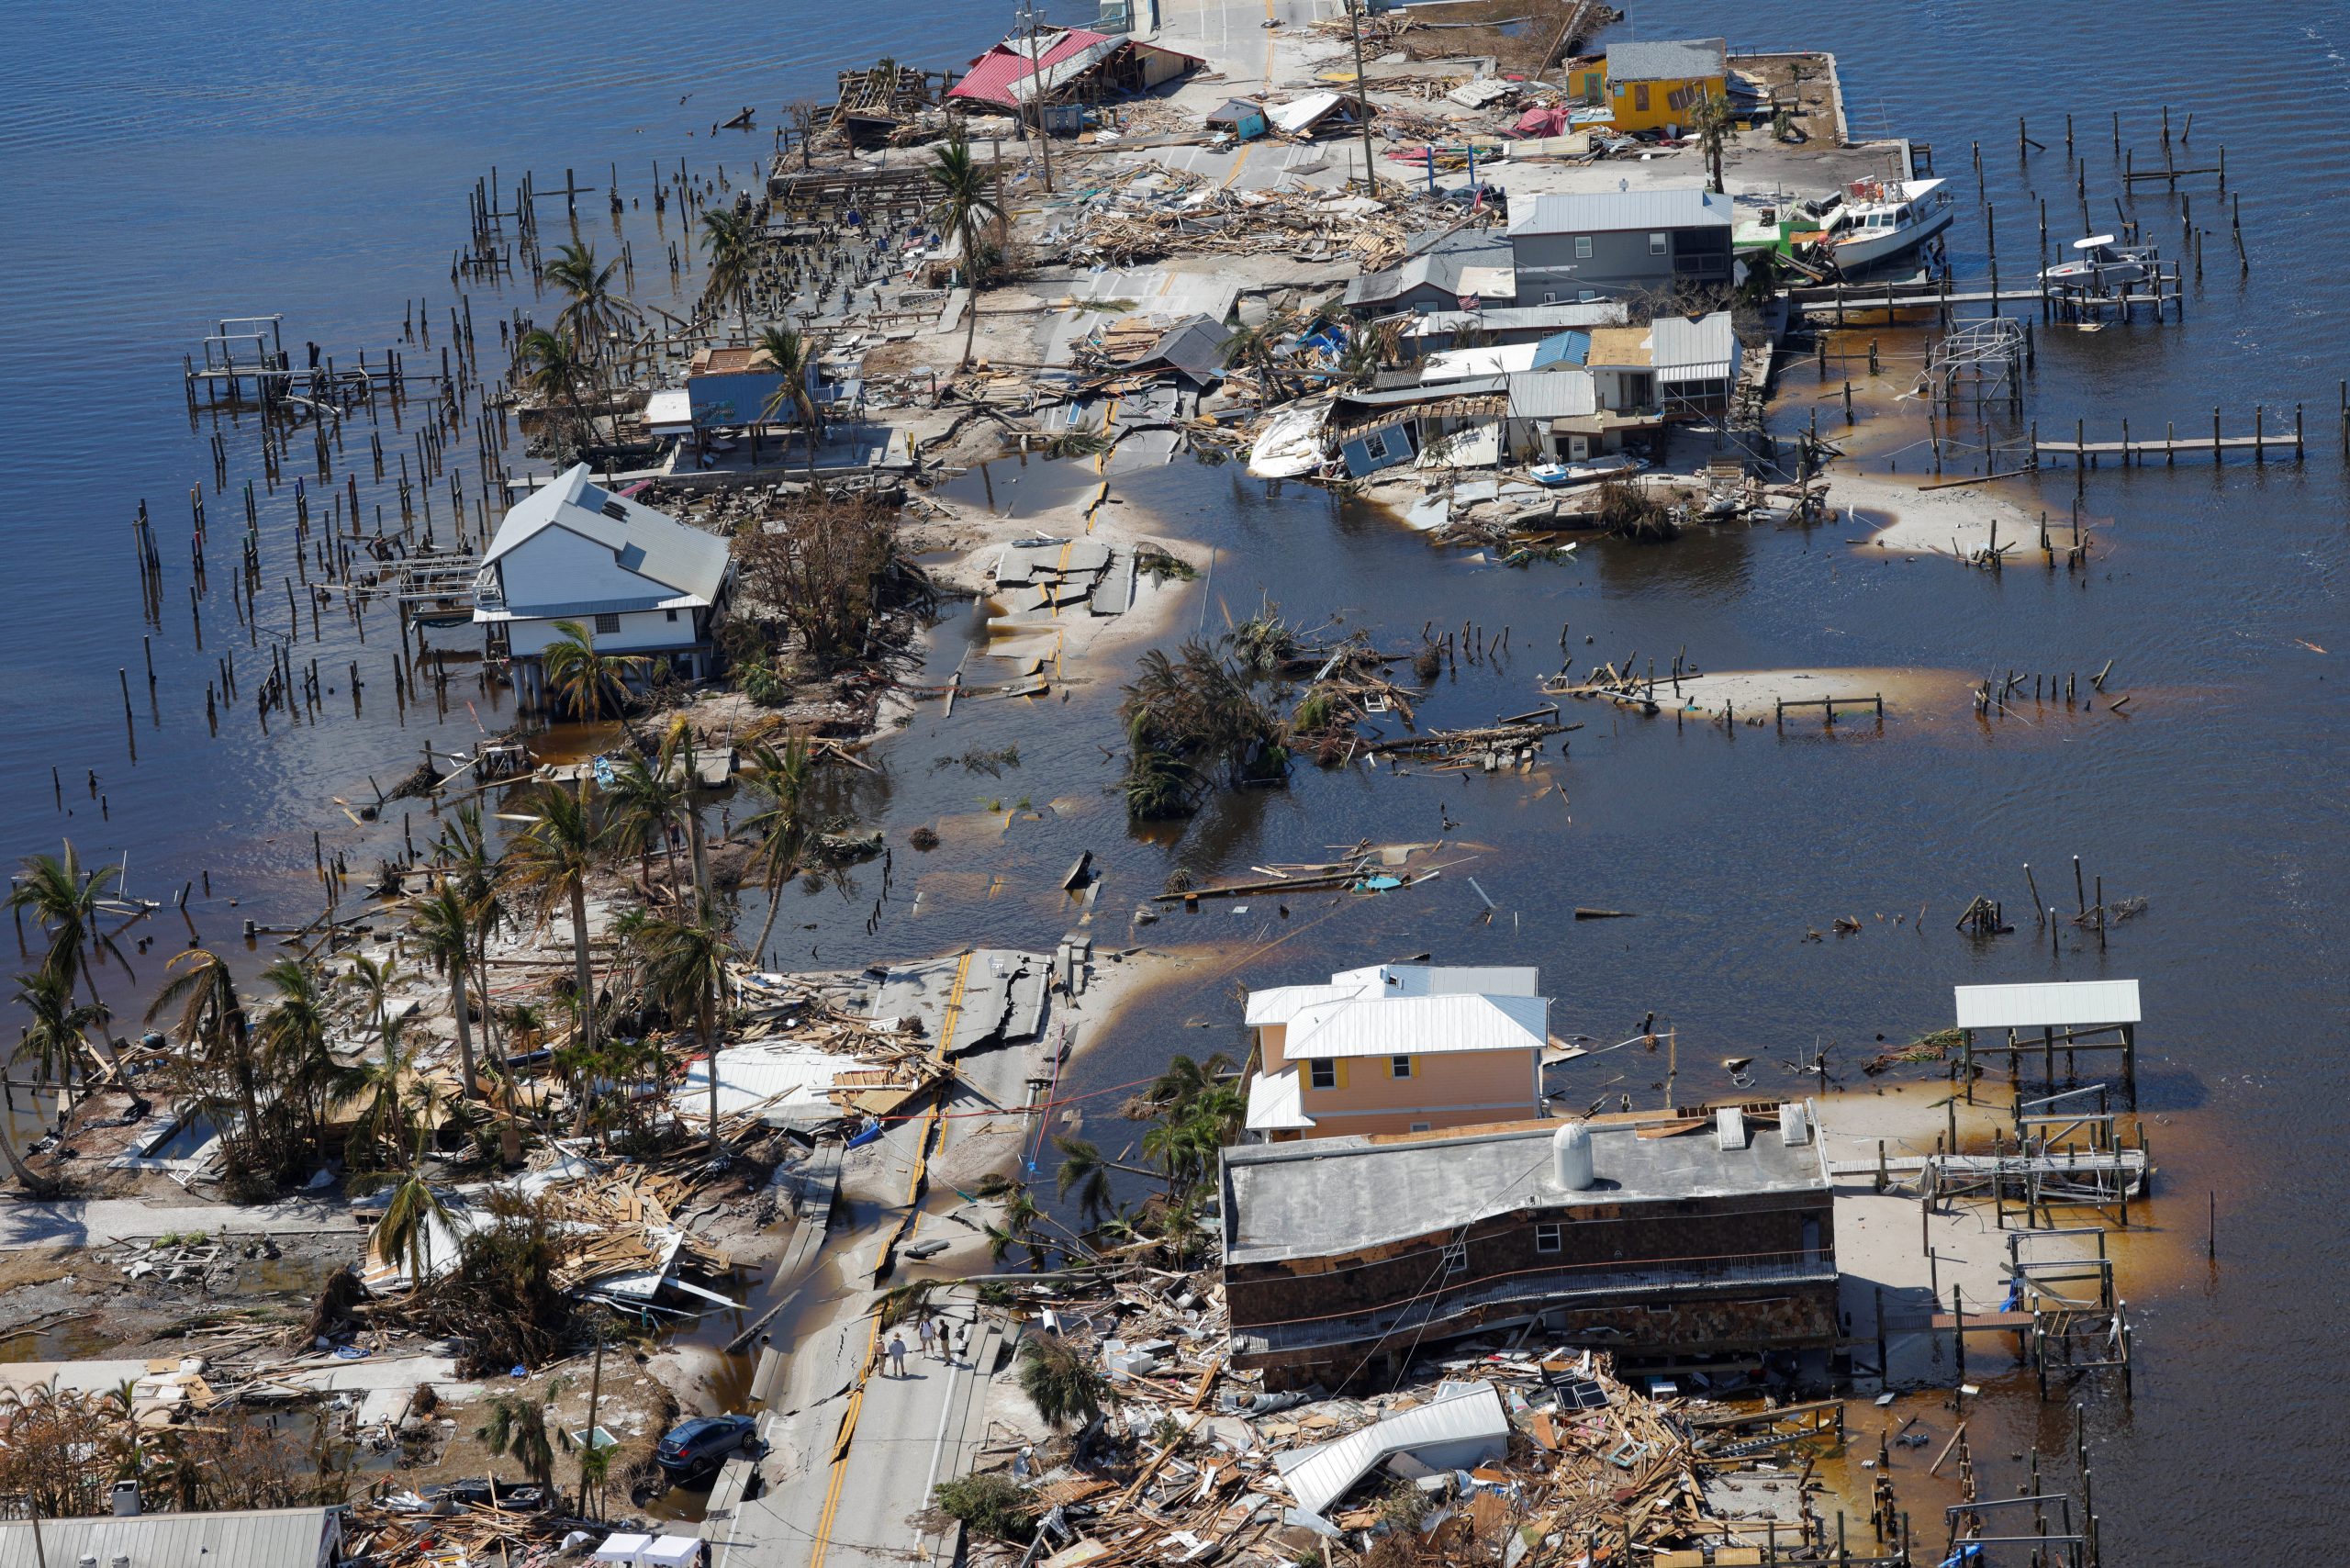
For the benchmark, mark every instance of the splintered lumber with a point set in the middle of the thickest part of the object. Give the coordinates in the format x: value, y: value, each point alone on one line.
x: 1438, y: 743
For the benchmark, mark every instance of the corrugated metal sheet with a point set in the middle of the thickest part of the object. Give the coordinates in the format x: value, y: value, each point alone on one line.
x: 1553, y: 395
x: 2048, y: 1004
x: 1418, y: 1026
x: 1609, y: 212
x: 1702, y: 349
x: 1471, y: 1422
x: 274, y: 1537
x: 996, y: 76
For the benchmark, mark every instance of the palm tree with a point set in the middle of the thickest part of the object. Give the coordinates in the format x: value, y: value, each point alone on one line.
x: 404, y: 1233
x: 388, y: 1121
x: 551, y: 364
x: 445, y: 924
x: 1083, y: 1168
x: 595, y: 1471
x: 685, y: 970
x: 647, y: 803
x: 1261, y: 348
x: 732, y: 246
x: 583, y: 679
x: 59, y: 1029
x: 792, y: 356
x: 1060, y: 1384
x: 1711, y: 121
x: 40, y: 1187
x: 550, y: 862
x: 963, y: 209
x: 373, y: 979
x: 213, y: 1025
x: 517, y: 1425
x: 65, y: 901
x: 292, y: 1035
x: 472, y: 864
x: 594, y: 311
x: 784, y: 826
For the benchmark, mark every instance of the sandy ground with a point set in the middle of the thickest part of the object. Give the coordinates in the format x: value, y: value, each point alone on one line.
x: 1748, y: 696
x: 1956, y: 523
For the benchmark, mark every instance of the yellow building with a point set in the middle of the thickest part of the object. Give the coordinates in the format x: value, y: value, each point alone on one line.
x: 1652, y: 85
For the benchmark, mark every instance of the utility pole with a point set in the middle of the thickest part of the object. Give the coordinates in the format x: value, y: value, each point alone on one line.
x: 1362, y: 97
x: 1030, y: 20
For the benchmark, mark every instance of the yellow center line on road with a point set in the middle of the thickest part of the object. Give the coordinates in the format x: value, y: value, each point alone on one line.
x: 822, y: 1538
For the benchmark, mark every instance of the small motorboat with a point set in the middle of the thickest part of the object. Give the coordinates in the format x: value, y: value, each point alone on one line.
x: 1880, y: 219
x: 1557, y: 475
x: 2100, y: 266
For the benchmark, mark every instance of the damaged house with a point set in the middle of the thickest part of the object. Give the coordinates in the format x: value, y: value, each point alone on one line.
x: 1683, y: 1234
x: 1069, y: 66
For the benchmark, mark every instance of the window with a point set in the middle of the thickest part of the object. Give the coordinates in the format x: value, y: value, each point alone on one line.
x: 1456, y: 1257
x: 670, y: 613
x: 1323, y: 1073
x: 1583, y: 247
x: 1422, y: 1127
x: 1375, y: 448
x: 1399, y: 1067
x: 1546, y: 1238
x: 608, y: 622
x: 1641, y: 96
x: 1583, y: 295
x: 1660, y: 245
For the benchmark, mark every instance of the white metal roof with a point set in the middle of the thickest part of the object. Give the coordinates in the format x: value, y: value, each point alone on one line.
x: 1274, y: 1103
x: 1446, y: 980
x: 647, y: 543
x: 258, y: 1538
x: 1609, y: 212
x: 1496, y: 359
x: 1568, y: 392
x: 1703, y: 349
x: 1320, y: 1475
x: 1279, y: 1004
x: 2048, y: 1004
x: 1418, y: 1026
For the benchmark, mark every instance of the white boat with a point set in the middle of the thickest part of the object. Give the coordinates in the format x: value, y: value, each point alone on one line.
x: 1560, y: 475
x: 1883, y: 218
x: 2099, y: 266
x: 1291, y: 443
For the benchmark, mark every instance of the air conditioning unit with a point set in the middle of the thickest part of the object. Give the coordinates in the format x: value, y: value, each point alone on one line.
x: 125, y: 1499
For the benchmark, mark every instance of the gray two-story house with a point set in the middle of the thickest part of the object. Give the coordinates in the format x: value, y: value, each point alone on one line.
x: 1621, y: 242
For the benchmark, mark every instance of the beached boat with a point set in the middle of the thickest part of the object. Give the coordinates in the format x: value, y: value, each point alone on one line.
x: 1880, y: 219
x: 1557, y: 475
x: 2100, y: 266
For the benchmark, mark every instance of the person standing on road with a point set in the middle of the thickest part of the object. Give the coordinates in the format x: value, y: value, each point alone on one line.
x: 897, y: 1354
x: 929, y: 1338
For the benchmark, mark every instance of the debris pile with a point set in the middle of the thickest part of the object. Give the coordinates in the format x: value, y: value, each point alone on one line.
x: 1515, y: 1456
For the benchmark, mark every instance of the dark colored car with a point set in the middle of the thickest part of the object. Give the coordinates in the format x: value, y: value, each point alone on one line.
x: 697, y: 1448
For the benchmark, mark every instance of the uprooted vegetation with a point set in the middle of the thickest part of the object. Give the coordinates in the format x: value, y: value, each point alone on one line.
x: 1199, y: 719
x: 826, y: 583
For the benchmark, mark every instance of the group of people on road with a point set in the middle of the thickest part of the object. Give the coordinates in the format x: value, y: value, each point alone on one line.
x: 939, y: 1340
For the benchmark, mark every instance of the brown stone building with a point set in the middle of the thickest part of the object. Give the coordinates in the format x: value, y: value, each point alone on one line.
x: 1673, y: 1235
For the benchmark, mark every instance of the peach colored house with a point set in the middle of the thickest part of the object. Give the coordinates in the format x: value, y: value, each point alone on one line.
x: 1396, y: 1048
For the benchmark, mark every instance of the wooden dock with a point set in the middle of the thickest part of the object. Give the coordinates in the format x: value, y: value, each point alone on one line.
x: 2170, y: 447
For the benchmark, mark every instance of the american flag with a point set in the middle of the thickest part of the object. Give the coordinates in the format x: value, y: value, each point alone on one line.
x: 1471, y: 302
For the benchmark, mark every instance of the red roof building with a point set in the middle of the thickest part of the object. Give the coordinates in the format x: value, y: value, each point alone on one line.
x: 1070, y: 62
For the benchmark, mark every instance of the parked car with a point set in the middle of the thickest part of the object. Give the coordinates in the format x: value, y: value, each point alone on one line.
x: 697, y: 1448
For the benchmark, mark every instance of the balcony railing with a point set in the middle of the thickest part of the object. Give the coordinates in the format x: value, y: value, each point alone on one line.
x: 1561, y: 1286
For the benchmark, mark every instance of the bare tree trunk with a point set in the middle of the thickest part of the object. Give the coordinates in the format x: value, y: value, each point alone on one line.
x: 42, y: 1189
x: 464, y: 1028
